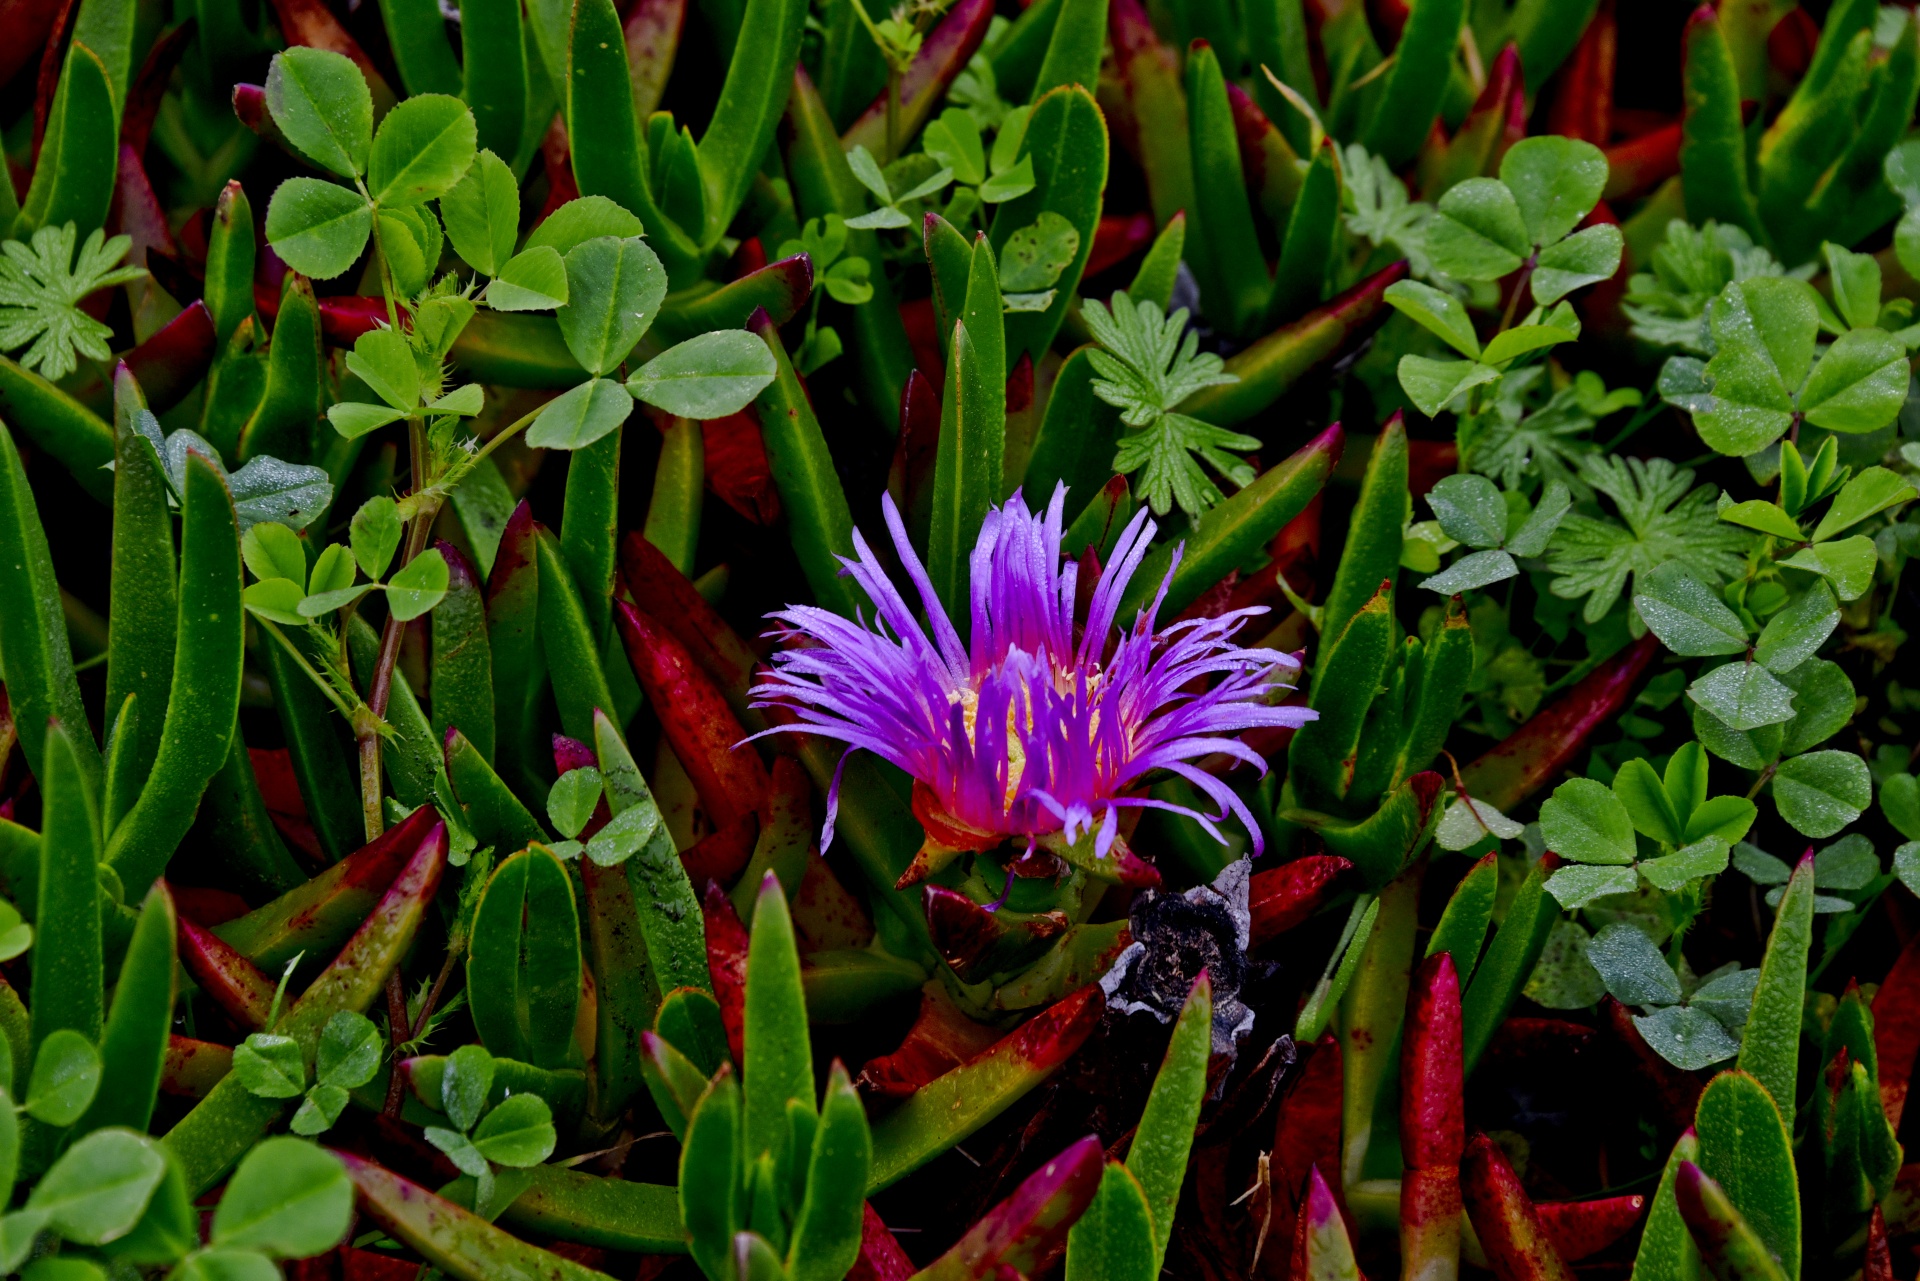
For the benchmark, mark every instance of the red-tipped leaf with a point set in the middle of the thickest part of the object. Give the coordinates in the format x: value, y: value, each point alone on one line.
x: 1896, y: 1030
x: 1285, y: 896
x: 881, y: 1258
x: 1432, y: 1132
x: 736, y: 467
x: 192, y: 1068
x: 1579, y: 1229
x: 1516, y: 1242
x: 702, y: 730
x: 1029, y: 1228
x: 719, y: 855
x: 1528, y: 757
x: 727, y: 965
x: 235, y: 983
x: 668, y: 597
x: 941, y: 1039
x: 1727, y: 1243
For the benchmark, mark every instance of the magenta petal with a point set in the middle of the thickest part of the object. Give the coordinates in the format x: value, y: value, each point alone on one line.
x: 1021, y: 732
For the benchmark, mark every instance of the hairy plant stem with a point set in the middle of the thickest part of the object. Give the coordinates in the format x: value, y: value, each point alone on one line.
x: 380, y: 681
x: 293, y: 651
x: 367, y: 728
x: 434, y: 993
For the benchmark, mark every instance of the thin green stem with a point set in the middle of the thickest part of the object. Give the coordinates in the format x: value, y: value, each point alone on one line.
x: 380, y: 682
x: 506, y: 433
x: 1519, y: 289
x: 380, y: 252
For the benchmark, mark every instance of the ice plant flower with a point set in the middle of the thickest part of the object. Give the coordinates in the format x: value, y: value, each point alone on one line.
x: 1030, y: 730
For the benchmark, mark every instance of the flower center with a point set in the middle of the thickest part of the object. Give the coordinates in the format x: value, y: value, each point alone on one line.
x: 969, y: 700
x: 1020, y: 710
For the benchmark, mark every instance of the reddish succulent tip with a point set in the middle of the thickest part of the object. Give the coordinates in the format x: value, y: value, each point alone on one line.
x: 1330, y: 442
x: 571, y: 754
x: 1321, y: 1208
x: 1689, y: 1184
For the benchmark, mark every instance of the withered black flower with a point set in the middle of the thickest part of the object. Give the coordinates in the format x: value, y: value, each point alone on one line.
x: 1175, y: 937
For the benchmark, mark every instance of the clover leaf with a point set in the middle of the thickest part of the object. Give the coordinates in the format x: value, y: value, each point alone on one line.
x: 518, y: 1132
x: 1767, y: 372
x: 1470, y: 510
